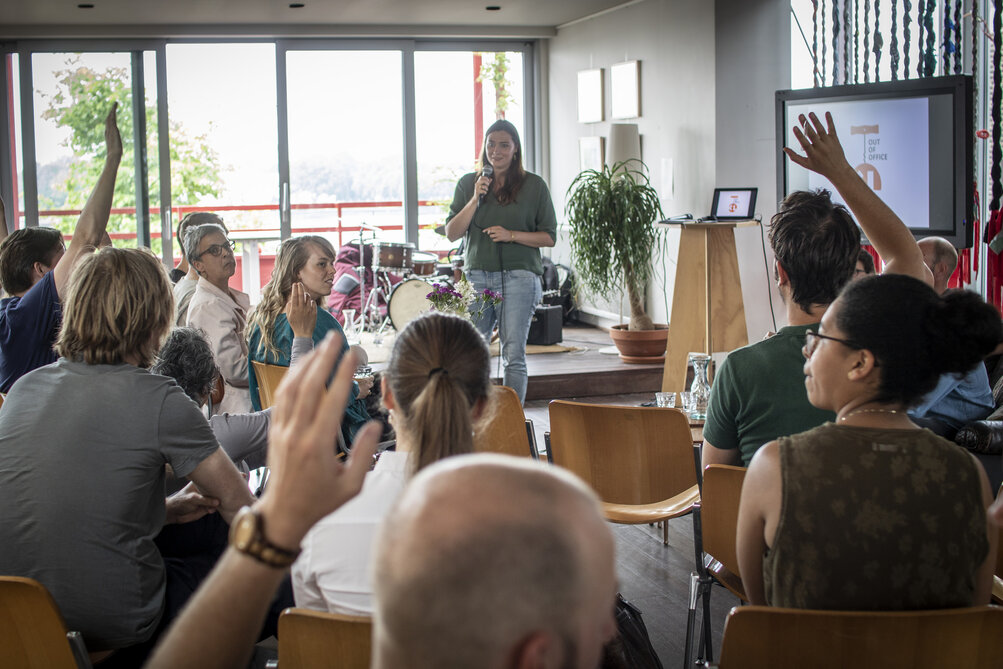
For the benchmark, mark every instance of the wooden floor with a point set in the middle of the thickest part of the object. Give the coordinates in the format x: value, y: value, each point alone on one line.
x: 655, y: 578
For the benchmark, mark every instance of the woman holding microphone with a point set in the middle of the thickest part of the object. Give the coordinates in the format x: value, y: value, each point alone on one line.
x: 506, y: 215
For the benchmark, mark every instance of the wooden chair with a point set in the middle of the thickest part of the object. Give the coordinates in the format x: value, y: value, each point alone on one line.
x: 508, y: 431
x: 269, y: 377
x: 715, y: 524
x: 762, y: 636
x: 315, y: 639
x: 639, y: 460
x: 32, y: 632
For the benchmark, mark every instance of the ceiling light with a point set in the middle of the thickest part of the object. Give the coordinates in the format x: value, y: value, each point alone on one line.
x: 296, y: 5
x: 85, y: 5
x: 493, y: 8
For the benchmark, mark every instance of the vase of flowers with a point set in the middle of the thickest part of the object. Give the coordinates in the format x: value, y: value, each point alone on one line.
x: 462, y: 300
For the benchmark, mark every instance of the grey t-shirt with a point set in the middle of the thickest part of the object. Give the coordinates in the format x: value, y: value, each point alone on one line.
x: 82, y: 455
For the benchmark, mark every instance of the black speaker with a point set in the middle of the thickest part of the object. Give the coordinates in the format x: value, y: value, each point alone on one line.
x: 546, y: 326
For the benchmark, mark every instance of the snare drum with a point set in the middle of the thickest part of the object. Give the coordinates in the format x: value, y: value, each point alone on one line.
x: 424, y: 263
x: 408, y: 301
x: 392, y: 257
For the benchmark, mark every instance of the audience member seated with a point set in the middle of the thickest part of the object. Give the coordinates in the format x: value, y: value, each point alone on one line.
x: 956, y: 401
x: 436, y: 385
x: 515, y: 554
x: 942, y: 259
x: 864, y: 266
x: 184, y: 285
x: 758, y: 392
x: 515, y: 557
x: 187, y: 358
x: 306, y: 260
x: 83, y: 448
x: 35, y: 269
x: 872, y: 512
x: 220, y: 311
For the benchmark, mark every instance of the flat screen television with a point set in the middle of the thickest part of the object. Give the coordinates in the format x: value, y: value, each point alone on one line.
x: 910, y: 140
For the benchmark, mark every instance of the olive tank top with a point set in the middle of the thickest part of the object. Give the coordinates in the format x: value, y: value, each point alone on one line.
x: 875, y: 519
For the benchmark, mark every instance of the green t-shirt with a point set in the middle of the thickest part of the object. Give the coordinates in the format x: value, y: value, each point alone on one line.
x: 758, y: 395
x: 532, y: 211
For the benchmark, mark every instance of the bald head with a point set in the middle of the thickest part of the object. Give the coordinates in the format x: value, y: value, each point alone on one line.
x: 941, y: 257
x: 487, y: 560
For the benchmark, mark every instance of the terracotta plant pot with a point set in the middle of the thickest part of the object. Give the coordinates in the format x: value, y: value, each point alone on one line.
x: 640, y: 346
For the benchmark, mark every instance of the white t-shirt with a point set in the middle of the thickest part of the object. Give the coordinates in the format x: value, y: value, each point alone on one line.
x: 334, y: 571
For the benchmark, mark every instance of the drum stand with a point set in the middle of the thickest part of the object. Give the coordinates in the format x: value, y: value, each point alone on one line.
x: 371, y: 308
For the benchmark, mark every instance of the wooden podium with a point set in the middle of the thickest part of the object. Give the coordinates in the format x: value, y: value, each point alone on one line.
x: 708, y: 312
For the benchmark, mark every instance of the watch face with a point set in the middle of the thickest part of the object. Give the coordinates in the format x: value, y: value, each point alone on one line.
x: 245, y: 527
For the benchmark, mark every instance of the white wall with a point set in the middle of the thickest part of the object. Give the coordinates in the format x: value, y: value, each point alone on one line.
x: 753, y: 61
x: 674, y: 40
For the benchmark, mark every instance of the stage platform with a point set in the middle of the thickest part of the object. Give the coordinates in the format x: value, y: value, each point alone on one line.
x: 580, y: 373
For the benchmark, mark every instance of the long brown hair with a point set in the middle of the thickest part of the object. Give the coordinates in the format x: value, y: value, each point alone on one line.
x: 291, y: 258
x: 439, y: 370
x: 515, y: 175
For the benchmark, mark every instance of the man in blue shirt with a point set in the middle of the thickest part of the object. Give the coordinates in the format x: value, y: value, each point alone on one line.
x: 954, y: 402
x: 35, y: 268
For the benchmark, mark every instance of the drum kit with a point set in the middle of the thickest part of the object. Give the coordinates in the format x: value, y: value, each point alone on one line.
x: 405, y: 299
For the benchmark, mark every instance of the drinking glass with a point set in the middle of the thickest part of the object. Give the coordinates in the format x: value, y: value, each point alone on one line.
x: 687, y: 399
x: 665, y: 400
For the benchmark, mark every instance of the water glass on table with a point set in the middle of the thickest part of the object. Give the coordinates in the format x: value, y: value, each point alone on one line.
x: 665, y: 400
x: 688, y: 402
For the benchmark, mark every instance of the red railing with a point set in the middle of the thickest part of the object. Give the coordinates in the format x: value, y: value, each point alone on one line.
x: 182, y: 210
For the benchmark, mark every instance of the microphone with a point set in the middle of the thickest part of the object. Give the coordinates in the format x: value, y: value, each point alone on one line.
x: 489, y: 172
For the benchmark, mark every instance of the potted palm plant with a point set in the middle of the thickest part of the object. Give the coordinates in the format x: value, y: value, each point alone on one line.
x: 612, y: 214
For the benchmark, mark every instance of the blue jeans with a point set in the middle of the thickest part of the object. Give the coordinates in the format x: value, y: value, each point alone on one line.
x: 521, y: 292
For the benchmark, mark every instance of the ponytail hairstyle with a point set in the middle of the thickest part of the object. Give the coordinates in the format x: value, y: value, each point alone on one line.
x: 290, y: 260
x: 439, y: 370
x: 515, y: 175
x: 916, y: 335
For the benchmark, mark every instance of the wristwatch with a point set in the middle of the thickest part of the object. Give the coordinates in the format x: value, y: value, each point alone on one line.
x: 247, y: 535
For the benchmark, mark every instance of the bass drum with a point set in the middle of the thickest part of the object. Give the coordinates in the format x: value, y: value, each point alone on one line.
x: 408, y: 301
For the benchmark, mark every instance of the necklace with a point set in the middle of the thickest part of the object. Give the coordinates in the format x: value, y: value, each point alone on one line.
x: 856, y: 411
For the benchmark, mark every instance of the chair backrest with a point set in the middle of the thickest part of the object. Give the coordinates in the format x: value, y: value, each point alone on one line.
x: 722, y: 490
x: 505, y: 432
x: 629, y: 455
x: 269, y: 377
x: 762, y: 636
x: 32, y: 631
x: 320, y: 639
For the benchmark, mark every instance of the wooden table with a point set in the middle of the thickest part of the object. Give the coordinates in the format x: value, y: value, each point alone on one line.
x: 708, y: 313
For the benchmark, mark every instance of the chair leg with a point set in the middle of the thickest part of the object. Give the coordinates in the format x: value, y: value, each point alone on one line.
x: 708, y: 640
x: 665, y: 532
x: 691, y: 620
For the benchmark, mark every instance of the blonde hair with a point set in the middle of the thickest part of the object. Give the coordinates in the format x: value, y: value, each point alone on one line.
x: 291, y: 258
x: 119, y: 305
x: 439, y: 370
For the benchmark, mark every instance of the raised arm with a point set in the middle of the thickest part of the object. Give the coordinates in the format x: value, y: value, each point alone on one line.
x: 93, y: 222
x: 885, y: 230
x: 463, y: 210
x: 219, y: 625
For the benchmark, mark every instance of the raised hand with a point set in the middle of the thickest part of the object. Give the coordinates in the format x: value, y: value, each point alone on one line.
x: 823, y: 152
x: 112, y: 138
x: 301, y: 311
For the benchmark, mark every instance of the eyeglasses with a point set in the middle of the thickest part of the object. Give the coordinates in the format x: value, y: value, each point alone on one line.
x: 811, y: 339
x: 216, y: 250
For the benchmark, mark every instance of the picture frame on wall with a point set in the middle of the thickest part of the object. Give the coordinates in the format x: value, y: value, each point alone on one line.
x: 590, y: 153
x: 625, y: 89
x: 590, y: 96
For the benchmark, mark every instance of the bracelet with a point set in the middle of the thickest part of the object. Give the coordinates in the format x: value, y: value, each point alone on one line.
x: 512, y: 233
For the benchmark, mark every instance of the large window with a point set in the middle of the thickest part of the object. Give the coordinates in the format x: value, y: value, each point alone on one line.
x: 278, y: 136
x: 71, y: 95
x: 458, y: 95
x: 346, y: 157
